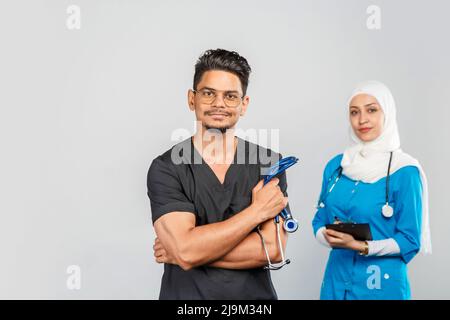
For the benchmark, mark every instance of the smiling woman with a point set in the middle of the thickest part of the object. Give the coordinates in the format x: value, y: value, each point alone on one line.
x: 371, y: 176
x: 366, y: 117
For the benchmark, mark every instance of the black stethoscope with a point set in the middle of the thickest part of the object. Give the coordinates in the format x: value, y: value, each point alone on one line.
x: 387, y: 210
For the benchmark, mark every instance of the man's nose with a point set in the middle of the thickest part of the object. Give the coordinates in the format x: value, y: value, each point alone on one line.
x: 218, y: 101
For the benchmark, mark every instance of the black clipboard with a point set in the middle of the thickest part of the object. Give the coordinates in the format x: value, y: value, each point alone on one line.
x: 359, y: 231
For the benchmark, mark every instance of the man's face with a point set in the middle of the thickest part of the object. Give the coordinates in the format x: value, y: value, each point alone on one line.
x: 217, y: 100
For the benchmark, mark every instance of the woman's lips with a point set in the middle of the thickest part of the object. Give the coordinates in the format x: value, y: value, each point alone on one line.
x: 364, y: 130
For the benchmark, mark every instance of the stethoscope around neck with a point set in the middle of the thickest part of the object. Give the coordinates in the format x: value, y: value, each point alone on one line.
x: 387, y: 211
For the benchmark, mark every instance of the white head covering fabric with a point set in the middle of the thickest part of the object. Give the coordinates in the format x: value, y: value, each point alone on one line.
x: 368, y: 161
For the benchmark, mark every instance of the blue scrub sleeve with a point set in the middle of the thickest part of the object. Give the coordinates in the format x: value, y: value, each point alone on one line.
x: 408, y: 208
x: 165, y: 190
x: 320, y: 218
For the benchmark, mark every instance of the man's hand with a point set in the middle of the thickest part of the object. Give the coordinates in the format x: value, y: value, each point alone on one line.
x: 268, y: 200
x: 161, y: 254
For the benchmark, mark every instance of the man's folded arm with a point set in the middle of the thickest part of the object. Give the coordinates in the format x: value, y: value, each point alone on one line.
x: 193, y: 246
x: 249, y: 253
x: 190, y: 245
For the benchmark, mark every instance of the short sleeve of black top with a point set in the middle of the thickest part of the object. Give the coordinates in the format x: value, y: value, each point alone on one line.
x: 188, y: 184
x: 165, y: 190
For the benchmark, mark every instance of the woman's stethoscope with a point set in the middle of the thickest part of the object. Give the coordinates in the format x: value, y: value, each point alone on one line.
x: 387, y: 210
x: 290, y: 224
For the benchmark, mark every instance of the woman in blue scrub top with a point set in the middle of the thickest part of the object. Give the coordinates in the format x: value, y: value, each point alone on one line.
x: 357, y: 188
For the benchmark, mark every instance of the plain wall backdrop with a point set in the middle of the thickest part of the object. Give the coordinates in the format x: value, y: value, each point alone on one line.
x: 84, y: 112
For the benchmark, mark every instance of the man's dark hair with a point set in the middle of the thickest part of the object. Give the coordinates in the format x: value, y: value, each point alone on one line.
x: 220, y: 59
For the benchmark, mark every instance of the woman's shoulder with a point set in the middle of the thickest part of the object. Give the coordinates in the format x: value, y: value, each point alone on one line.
x: 408, y: 167
x: 407, y: 179
x: 333, y: 164
x: 409, y: 172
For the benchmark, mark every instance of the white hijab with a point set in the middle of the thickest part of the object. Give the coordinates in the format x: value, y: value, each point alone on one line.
x: 368, y: 161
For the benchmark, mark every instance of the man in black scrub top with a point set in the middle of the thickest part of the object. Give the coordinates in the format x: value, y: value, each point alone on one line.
x: 207, y: 196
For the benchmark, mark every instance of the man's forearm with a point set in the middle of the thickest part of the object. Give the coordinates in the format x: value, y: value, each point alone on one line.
x: 246, y: 255
x: 204, y: 244
x: 250, y: 252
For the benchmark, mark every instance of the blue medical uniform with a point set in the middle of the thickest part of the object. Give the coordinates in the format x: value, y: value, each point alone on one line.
x: 349, y: 275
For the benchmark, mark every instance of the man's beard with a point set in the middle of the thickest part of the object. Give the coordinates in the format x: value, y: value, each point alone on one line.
x: 220, y: 129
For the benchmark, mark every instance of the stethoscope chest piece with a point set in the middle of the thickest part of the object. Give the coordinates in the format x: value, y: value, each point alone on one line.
x: 387, y: 211
x: 290, y: 225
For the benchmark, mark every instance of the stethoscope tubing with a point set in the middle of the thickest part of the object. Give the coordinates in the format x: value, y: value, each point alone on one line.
x: 322, y: 199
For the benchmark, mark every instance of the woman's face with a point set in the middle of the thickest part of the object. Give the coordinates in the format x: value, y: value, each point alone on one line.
x: 366, y: 117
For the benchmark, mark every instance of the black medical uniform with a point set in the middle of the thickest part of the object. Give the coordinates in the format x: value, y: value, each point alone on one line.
x: 193, y: 187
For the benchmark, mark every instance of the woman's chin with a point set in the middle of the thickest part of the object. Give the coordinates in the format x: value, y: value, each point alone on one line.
x: 366, y: 137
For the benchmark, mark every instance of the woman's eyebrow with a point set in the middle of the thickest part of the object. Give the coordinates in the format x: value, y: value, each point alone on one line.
x: 366, y: 105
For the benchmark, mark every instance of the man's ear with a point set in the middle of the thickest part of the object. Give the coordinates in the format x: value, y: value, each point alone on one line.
x: 245, y: 102
x: 191, y: 97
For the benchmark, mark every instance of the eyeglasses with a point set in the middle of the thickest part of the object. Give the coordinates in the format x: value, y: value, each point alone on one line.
x: 231, y: 98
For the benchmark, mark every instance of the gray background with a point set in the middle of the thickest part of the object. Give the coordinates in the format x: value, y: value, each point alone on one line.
x: 84, y: 112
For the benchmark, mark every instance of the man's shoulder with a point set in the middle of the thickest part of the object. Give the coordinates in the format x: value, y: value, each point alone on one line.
x: 256, y: 154
x: 259, y: 148
x: 173, y: 157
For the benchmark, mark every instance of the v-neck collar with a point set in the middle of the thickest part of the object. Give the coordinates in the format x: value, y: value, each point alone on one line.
x: 229, y: 175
